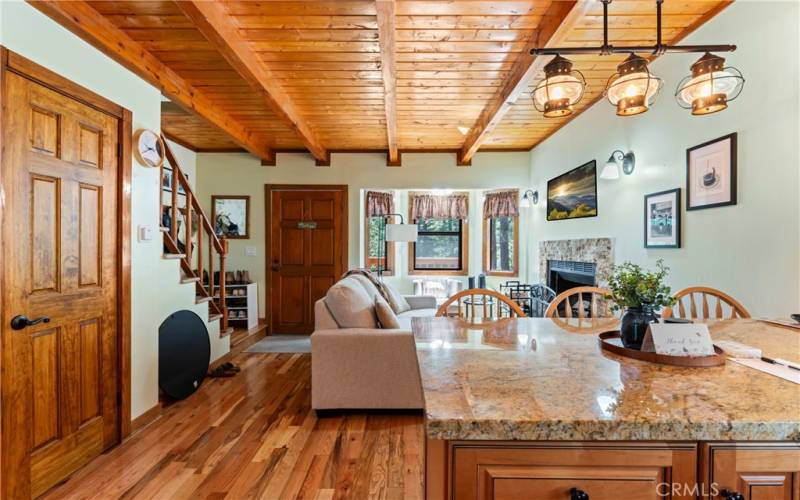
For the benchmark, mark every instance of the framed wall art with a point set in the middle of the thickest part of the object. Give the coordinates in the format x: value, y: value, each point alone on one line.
x: 711, y: 173
x: 573, y: 195
x: 662, y: 219
x: 231, y: 216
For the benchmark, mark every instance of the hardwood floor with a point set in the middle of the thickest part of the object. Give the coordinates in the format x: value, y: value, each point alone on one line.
x: 255, y: 436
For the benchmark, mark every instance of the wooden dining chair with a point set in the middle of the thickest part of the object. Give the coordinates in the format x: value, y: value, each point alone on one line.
x: 577, y: 298
x: 480, y: 303
x: 700, y: 309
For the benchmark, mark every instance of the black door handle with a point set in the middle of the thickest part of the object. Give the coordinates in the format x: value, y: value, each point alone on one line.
x: 732, y: 495
x: 577, y: 494
x: 21, y: 322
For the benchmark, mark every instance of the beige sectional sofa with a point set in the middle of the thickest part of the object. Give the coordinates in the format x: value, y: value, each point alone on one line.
x: 364, y: 367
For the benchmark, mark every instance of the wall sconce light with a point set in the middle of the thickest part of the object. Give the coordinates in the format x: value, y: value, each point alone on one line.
x: 529, y: 198
x: 617, y: 158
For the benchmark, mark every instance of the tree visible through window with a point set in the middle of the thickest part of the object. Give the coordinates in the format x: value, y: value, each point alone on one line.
x: 501, y: 244
x: 376, y: 253
x: 439, y: 245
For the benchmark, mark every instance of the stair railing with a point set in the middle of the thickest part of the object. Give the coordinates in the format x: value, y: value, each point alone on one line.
x: 196, y: 228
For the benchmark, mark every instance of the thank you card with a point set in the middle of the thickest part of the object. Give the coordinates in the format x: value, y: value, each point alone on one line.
x: 688, y: 339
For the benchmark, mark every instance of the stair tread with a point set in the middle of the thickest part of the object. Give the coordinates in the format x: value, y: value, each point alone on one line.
x: 226, y: 332
x: 174, y: 255
x: 214, y: 317
x: 199, y: 299
x: 190, y: 280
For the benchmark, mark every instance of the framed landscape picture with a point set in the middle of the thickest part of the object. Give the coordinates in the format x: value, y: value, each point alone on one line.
x: 662, y: 219
x: 231, y: 216
x: 573, y: 195
x: 711, y: 173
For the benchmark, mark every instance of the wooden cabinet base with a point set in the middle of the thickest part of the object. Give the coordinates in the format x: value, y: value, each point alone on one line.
x: 610, y: 470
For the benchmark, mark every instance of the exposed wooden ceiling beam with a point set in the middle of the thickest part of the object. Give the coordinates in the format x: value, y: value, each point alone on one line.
x: 85, y: 22
x: 559, y: 19
x: 213, y: 21
x: 386, y: 38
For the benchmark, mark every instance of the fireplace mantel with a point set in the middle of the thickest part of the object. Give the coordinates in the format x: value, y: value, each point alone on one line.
x: 599, y: 251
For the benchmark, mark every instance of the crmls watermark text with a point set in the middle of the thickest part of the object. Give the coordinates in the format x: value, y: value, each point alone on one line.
x: 687, y: 490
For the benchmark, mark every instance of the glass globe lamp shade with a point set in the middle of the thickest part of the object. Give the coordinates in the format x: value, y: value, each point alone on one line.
x: 560, y: 90
x: 633, y: 89
x: 710, y: 86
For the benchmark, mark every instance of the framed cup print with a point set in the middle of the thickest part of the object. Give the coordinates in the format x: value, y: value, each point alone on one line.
x: 231, y: 216
x: 711, y: 173
x: 662, y: 219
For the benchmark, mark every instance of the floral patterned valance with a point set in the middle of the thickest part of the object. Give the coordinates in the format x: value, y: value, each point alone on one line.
x: 501, y: 204
x: 379, y: 203
x: 428, y: 206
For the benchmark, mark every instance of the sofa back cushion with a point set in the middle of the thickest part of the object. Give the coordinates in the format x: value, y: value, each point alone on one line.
x: 350, y: 305
x: 386, y: 316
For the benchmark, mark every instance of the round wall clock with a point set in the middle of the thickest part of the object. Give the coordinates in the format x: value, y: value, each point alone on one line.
x: 148, y: 148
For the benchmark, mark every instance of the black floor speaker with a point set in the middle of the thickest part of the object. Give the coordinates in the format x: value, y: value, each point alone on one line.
x: 184, y: 352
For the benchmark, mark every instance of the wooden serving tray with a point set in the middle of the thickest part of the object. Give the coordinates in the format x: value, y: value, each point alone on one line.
x: 611, y: 342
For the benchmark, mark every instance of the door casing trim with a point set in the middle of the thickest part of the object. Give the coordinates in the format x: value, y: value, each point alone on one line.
x: 268, y: 190
x: 19, y: 65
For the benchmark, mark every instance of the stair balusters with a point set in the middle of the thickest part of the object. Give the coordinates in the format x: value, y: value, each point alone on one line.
x: 193, y: 235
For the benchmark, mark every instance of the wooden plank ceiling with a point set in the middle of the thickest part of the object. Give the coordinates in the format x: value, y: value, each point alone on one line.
x: 310, y: 75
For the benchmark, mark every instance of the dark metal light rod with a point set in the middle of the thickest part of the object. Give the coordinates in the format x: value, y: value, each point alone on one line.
x: 653, y: 49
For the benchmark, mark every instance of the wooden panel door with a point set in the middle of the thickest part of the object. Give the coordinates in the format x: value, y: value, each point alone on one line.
x: 60, y: 376
x: 308, y: 251
x: 756, y: 471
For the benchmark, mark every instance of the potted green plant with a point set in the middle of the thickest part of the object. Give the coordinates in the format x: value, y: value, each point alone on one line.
x: 640, y: 293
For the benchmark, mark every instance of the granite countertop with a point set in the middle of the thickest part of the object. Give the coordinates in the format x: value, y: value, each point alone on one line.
x: 548, y: 379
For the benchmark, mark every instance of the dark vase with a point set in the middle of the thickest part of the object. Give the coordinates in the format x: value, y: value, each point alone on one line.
x: 634, y: 326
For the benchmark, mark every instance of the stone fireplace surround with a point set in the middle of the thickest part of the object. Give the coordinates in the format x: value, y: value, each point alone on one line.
x: 599, y: 251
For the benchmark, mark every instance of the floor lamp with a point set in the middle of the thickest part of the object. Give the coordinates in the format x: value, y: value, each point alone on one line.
x: 396, y: 233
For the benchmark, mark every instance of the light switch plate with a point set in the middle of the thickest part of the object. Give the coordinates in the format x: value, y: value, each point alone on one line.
x: 250, y: 251
x: 145, y: 233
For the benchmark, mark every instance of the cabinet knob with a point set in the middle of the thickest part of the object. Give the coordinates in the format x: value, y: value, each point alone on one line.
x: 577, y: 494
x: 732, y: 495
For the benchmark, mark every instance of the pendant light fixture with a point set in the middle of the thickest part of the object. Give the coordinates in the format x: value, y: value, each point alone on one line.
x: 710, y: 86
x: 560, y: 90
x: 633, y: 88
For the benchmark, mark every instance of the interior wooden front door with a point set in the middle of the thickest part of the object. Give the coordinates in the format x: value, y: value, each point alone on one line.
x: 308, y: 251
x: 59, y: 264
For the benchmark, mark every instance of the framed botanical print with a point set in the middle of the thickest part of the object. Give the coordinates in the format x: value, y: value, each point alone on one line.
x: 662, y: 219
x: 711, y: 173
x: 231, y: 216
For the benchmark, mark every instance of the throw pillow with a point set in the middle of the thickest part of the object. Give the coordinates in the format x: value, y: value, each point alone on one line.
x: 367, y: 284
x: 386, y: 316
x: 350, y: 305
x: 398, y: 302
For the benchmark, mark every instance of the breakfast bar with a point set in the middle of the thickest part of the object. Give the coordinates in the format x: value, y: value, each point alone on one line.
x: 533, y: 408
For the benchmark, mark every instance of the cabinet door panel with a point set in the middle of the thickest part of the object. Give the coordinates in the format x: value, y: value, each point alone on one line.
x: 543, y: 471
x: 759, y: 471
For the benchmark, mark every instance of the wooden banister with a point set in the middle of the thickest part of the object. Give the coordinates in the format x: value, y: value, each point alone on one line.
x: 194, y: 251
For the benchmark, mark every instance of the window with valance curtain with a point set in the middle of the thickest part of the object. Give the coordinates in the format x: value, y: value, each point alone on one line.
x: 501, y: 233
x: 377, y: 205
x: 441, y: 246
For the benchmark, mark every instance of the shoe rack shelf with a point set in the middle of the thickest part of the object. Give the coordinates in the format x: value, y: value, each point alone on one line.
x: 242, y: 309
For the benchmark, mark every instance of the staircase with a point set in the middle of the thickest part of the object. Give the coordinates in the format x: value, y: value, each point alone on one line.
x: 200, y: 252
